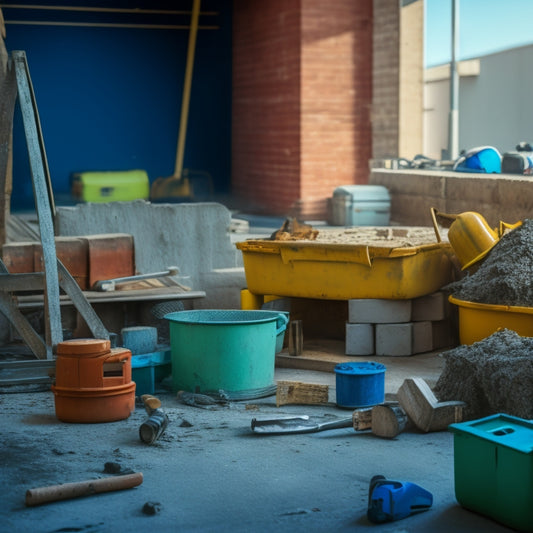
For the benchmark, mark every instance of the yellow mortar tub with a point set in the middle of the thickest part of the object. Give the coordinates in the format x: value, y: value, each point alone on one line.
x: 478, y: 321
x: 308, y: 269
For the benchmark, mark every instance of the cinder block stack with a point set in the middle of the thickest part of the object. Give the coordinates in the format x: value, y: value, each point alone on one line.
x: 399, y: 327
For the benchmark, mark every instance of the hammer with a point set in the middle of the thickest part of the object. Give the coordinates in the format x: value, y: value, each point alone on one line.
x: 105, y: 285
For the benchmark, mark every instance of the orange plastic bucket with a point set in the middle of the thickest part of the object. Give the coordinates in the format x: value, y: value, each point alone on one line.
x: 93, y: 382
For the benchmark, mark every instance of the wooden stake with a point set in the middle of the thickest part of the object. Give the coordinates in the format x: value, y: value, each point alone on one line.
x: 68, y: 491
x: 296, y: 340
x: 296, y: 392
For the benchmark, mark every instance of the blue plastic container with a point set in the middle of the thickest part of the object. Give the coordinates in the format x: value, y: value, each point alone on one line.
x: 360, y: 384
x: 148, y: 369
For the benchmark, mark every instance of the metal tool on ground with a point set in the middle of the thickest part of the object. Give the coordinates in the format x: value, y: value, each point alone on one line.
x: 204, y: 401
x: 153, y: 427
x: 110, y: 284
x: 296, y: 424
x: 393, y: 500
x: 67, y: 491
x: 156, y: 423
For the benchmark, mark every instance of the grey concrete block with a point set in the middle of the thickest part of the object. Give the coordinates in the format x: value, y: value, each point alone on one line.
x: 430, y: 307
x: 195, y: 237
x: 422, y: 337
x: 404, y: 339
x: 359, y: 339
x: 378, y: 311
x: 394, y: 339
x: 222, y: 288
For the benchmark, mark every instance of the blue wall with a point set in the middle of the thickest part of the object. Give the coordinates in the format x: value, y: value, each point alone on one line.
x: 110, y: 98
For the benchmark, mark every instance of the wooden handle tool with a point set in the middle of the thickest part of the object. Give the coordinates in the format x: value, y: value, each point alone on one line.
x: 67, y: 491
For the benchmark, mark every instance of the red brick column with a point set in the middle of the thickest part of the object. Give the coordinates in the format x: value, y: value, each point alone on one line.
x: 302, y: 91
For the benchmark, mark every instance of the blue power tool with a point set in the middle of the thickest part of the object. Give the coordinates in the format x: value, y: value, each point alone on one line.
x: 393, y: 500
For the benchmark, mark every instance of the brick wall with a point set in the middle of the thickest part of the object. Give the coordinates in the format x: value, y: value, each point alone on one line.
x: 266, y: 104
x: 336, y: 86
x: 302, y: 82
x: 385, y: 73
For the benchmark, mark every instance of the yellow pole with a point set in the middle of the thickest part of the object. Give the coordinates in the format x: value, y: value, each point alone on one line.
x: 178, y: 169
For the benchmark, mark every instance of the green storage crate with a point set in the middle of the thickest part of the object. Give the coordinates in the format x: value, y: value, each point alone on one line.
x: 493, y: 468
x: 110, y: 186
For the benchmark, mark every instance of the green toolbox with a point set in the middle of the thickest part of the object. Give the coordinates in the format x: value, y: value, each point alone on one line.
x: 493, y: 468
x: 110, y: 186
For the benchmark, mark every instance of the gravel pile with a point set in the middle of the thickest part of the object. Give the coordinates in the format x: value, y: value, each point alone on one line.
x: 505, y: 275
x: 491, y: 376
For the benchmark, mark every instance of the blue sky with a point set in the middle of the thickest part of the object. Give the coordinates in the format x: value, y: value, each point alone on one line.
x: 485, y: 26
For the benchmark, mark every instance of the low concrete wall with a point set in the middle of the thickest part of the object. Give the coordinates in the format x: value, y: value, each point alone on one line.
x: 495, y: 196
x: 194, y: 237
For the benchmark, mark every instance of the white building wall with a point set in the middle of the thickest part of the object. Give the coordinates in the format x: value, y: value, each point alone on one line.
x: 494, y: 102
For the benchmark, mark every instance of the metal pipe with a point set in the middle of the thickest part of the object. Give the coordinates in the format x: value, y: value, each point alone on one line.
x: 106, y: 25
x: 453, y: 127
x: 103, y: 9
x: 178, y: 169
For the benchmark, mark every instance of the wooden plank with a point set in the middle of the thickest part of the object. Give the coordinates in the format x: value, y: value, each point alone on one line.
x: 422, y: 407
x: 362, y: 418
x: 296, y: 392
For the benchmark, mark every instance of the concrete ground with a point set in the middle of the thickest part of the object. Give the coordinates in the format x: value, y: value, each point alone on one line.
x: 210, y: 472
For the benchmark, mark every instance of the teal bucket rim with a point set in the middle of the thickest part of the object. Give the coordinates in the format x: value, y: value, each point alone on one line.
x: 186, y: 317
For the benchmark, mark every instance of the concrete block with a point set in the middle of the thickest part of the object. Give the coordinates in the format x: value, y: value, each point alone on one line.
x: 422, y: 337
x: 359, y: 339
x: 195, y: 237
x: 403, y: 339
x: 394, y: 339
x: 222, y: 288
x: 430, y: 307
x: 139, y: 339
x: 378, y: 311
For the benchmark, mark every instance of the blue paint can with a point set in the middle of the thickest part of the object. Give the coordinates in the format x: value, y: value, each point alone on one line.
x: 360, y: 384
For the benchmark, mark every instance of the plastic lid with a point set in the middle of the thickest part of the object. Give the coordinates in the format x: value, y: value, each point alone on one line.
x: 360, y: 368
x: 84, y: 347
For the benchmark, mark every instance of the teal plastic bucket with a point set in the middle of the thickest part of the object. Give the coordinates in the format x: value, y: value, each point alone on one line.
x: 360, y: 384
x: 229, y: 350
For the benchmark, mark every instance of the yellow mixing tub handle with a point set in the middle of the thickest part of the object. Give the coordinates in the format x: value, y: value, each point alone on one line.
x: 505, y: 227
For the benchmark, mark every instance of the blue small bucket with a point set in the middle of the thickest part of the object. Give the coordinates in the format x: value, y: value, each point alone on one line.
x: 360, y: 384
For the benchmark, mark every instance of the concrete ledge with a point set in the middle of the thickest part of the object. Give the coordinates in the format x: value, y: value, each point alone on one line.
x: 496, y: 196
x: 194, y: 237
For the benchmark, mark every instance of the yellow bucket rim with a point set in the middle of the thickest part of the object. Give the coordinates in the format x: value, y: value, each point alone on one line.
x: 490, y: 307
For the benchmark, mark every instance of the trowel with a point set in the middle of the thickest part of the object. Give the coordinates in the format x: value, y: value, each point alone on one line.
x: 296, y: 424
x: 393, y: 500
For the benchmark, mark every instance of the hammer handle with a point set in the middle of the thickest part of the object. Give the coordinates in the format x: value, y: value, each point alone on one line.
x: 67, y: 491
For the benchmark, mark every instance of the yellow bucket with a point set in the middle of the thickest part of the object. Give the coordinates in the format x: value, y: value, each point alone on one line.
x: 469, y: 234
x: 478, y: 321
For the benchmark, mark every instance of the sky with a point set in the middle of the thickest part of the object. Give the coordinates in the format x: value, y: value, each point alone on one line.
x: 485, y: 26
